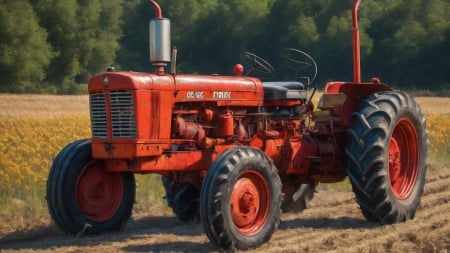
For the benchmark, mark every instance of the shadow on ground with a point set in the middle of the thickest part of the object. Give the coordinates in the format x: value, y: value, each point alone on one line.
x: 51, y: 238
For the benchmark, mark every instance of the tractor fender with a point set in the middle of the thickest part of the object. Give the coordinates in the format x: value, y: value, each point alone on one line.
x: 355, y: 93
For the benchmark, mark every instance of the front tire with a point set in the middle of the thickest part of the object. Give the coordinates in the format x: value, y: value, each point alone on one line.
x: 387, y: 157
x: 240, y: 199
x: 82, y: 197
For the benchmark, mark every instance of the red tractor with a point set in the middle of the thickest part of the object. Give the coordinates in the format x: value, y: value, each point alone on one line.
x: 235, y: 151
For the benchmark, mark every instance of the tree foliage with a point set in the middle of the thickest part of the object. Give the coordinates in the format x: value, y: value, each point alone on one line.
x: 84, y: 36
x: 52, y: 46
x: 24, y: 53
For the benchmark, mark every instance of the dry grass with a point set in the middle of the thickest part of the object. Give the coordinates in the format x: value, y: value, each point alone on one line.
x: 434, y: 105
x: 12, y: 105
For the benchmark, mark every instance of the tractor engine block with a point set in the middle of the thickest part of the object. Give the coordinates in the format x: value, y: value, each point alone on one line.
x: 202, y: 126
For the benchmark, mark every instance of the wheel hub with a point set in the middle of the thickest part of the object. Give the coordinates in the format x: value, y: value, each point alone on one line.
x: 244, y: 202
x: 249, y: 203
x: 98, y: 192
x: 394, y: 161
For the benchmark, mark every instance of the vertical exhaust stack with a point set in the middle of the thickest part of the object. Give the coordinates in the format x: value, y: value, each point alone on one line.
x: 160, y: 52
x: 356, y: 44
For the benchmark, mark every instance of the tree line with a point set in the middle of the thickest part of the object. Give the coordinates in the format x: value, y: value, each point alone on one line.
x: 53, y: 46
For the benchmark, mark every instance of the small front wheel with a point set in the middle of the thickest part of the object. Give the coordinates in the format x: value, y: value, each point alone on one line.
x: 83, y: 197
x: 240, y: 199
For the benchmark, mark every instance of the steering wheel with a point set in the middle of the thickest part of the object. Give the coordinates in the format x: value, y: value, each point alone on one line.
x: 299, y: 61
x: 257, y: 64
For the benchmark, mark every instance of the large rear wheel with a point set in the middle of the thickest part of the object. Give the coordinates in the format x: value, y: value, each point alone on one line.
x: 387, y: 154
x: 84, y: 198
x: 240, y: 199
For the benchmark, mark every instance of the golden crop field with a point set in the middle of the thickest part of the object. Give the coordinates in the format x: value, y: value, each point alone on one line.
x: 437, y: 114
x: 34, y: 128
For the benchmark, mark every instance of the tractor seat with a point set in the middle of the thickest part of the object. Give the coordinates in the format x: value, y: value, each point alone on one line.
x: 284, y: 90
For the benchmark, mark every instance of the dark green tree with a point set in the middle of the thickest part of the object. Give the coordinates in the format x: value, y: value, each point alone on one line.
x: 208, y: 33
x: 84, y: 36
x: 184, y: 17
x: 134, y: 48
x: 412, y: 44
x: 59, y: 18
x: 24, y: 52
x: 100, y: 30
x: 405, y: 43
x: 222, y: 33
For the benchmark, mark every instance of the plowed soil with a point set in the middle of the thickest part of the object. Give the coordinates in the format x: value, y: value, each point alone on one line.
x: 333, y: 223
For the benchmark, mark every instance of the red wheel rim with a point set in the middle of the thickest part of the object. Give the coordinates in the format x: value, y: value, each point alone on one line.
x: 250, y: 202
x: 403, y: 159
x: 99, y: 193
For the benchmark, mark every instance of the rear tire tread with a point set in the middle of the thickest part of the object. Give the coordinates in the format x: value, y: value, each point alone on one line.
x: 371, y: 128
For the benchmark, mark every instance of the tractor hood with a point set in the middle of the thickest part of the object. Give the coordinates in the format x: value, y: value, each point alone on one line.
x: 185, y: 87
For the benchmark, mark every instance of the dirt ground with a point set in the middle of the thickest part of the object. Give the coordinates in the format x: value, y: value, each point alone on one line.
x: 332, y: 223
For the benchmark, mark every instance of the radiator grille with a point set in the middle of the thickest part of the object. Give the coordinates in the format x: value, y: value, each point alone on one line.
x: 122, y: 114
x: 123, y: 120
x: 98, y: 115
